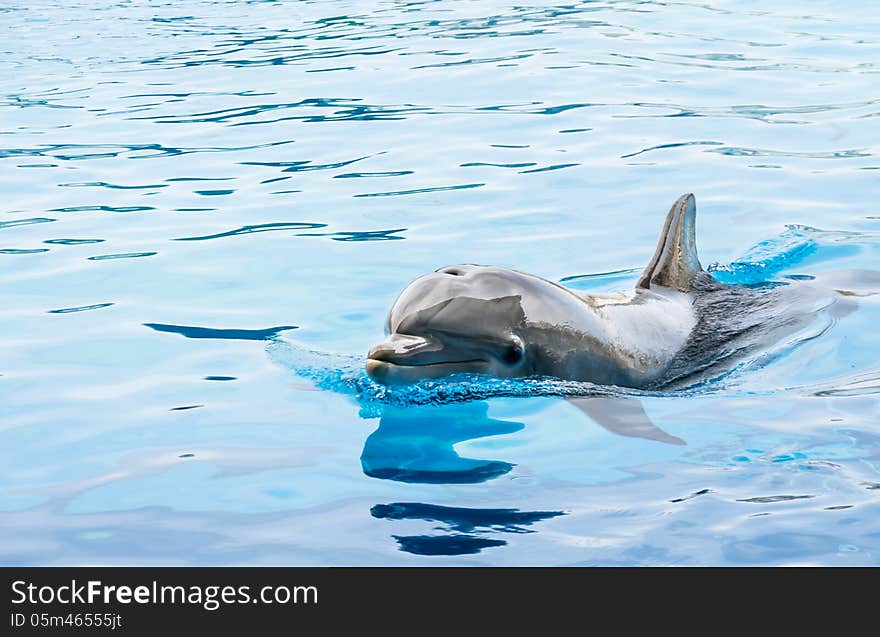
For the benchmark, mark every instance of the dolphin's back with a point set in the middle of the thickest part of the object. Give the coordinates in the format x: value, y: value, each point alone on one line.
x: 739, y: 323
x: 730, y: 322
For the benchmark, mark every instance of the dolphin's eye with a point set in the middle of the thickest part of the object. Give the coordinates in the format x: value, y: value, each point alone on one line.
x: 513, y: 354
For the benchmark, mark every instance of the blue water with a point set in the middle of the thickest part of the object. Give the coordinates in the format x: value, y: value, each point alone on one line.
x: 208, y: 208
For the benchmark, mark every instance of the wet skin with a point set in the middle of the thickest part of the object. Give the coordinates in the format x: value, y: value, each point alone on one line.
x: 677, y: 322
x: 504, y: 323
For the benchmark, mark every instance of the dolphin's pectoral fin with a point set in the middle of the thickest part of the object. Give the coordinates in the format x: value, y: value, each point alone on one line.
x: 623, y: 416
x: 675, y: 263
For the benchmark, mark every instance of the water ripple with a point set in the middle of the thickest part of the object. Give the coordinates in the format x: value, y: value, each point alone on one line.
x: 214, y: 193
x: 103, y: 184
x: 124, y: 255
x: 547, y: 168
x: 82, y: 308
x: 253, y: 113
x: 769, y: 499
x: 762, y: 152
x: 105, y: 151
x: 212, y: 332
x: 391, y: 173
x: 262, y: 227
x: 369, y: 235
x: 24, y: 222
x: 503, y: 58
x: 303, y: 165
x: 72, y: 242
x: 23, y: 250
x: 417, y: 191
x: 672, y: 145
x: 474, y: 164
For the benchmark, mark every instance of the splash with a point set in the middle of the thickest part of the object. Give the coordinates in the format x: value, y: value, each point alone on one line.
x: 795, y: 246
x: 770, y: 257
x: 344, y: 374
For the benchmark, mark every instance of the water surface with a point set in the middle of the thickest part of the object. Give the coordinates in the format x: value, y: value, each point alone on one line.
x: 208, y: 207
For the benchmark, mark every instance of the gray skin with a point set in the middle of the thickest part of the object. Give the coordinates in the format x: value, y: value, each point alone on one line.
x: 679, y: 326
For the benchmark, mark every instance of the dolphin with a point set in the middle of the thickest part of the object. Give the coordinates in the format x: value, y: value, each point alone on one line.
x: 678, y: 325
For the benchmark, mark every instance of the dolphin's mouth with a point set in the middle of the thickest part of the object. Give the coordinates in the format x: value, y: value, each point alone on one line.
x: 419, y: 363
x: 394, y: 373
x: 404, y: 358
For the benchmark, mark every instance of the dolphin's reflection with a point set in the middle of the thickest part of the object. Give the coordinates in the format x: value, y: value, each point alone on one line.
x: 463, y: 525
x: 416, y: 445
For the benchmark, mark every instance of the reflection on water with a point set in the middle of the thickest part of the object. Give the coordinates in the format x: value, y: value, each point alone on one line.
x: 222, y: 170
x: 460, y: 524
x: 416, y: 444
x: 445, y: 545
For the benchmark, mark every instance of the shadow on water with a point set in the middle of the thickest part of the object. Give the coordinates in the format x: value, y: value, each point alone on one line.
x: 416, y: 445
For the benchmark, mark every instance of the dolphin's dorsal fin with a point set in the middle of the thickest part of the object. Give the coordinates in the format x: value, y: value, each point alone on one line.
x: 675, y: 263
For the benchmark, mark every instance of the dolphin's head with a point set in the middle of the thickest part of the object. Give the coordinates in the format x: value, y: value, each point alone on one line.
x: 463, y: 318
